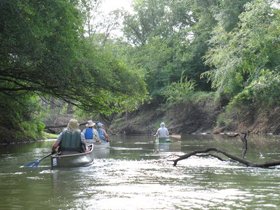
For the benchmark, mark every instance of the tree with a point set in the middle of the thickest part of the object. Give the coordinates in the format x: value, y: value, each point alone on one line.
x: 159, y: 31
x: 43, y: 51
x: 244, y: 57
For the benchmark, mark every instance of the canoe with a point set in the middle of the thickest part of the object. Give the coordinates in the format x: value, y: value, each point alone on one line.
x: 97, y: 144
x: 100, y: 145
x: 163, y: 140
x: 175, y: 136
x: 72, y: 159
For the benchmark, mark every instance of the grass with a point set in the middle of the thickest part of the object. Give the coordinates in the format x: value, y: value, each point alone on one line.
x: 49, y: 135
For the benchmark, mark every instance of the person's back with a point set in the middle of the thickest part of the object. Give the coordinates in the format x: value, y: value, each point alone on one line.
x: 70, y: 140
x: 162, y: 132
x: 90, y: 133
x: 102, y: 133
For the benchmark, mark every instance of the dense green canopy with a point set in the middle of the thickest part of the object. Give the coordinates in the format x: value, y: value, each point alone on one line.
x: 175, y: 48
x: 43, y: 51
x: 171, y: 38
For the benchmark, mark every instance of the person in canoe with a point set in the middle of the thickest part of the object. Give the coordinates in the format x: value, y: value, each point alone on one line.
x: 103, y: 136
x: 70, y: 140
x: 90, y: 132
x: 162, y: 132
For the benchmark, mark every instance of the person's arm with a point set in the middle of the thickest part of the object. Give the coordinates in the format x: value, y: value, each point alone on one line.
x: 156, y: 134
x: 167, y: 132
x: 83, y: 137
x: 96, y: 136
x: 106, y: 135
x: 83, y: 141
x: 56, y: 143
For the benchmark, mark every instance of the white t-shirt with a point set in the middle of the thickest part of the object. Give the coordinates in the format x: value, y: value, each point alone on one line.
x: 162, y: 132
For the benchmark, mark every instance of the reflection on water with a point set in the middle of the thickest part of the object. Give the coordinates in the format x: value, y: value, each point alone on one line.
x: 101, y: 151
x: 135, y: 173
x: 173, y: 146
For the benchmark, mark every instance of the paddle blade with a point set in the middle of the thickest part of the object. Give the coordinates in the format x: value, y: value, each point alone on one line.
x: 33, y: 164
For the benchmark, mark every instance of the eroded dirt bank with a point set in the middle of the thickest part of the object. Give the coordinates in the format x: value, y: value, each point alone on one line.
x: 189, y: 118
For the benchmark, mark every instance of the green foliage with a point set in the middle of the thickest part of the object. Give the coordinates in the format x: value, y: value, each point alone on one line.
x: 49, y: 135
x: 179, y: 91
x: 171, y: 38
x: 43, y: 51
x: 114, y: 82
x: 21, y: 116
x: 263, y: 92
x: 239, y: 56
x: 231, y: 45
x: 228, y: 13
x: 155, y: 58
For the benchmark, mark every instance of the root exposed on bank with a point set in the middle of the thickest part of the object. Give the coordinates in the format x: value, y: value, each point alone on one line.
x: 208, y: 152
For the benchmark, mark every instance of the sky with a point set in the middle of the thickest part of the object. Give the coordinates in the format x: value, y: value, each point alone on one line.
x: 109, y: 5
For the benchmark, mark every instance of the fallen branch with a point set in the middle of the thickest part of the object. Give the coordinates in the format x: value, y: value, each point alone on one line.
x: 175, y: 136
x: 232, y: 157
x: 243, y: 137
x: 61, y: 126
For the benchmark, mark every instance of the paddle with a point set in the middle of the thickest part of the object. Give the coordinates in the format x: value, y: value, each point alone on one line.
x: 175, y: 136
x: 35, y: 163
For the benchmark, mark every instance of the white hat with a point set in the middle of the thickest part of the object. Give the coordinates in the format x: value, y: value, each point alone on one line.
x: 73, y: 125
x: 99, y: 124
x: 90, y: 123
x: 162, y: 124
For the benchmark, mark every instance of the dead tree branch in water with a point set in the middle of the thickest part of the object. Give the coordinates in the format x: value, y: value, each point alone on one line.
x: 243, y: 137
x: 52, y: 127
x: 232, y: 157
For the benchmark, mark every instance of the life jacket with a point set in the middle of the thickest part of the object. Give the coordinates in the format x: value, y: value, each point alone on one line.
x: 101, y: 134
x: 71, y: 141
x: 89, y: 133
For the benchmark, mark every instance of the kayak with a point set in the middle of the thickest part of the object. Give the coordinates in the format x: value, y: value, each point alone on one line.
x: 73, y: 159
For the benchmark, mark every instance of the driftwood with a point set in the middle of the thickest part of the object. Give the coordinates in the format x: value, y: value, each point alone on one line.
x: 243, y: 137
x: 232, y: 157
x: 175, y: 136
x: 52, y: 127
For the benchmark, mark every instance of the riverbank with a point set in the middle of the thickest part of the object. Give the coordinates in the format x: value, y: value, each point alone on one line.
x: 196, y: 118
x: 183, y: 118
x: 7, y: 140
x: 200, y: 117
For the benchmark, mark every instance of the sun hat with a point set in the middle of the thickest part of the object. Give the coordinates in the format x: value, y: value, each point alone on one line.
x: 73, y: 125
x: 90, y: 123
x: 99, y: 124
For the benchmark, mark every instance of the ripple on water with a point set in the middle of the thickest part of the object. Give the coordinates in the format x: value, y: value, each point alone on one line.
x: 154, y: 184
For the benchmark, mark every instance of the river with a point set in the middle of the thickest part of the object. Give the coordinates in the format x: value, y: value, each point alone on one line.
x: 135, y: 173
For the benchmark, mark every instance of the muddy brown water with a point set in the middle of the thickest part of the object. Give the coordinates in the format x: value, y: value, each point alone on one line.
x: 135, y: 173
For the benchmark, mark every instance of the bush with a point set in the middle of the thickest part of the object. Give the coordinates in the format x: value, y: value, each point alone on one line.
x: 178, y: 92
